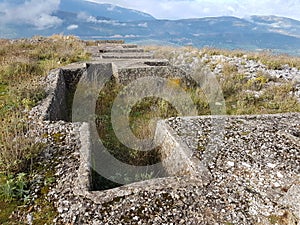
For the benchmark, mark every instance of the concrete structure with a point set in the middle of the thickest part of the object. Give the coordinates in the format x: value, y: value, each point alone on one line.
x: 222, y: 170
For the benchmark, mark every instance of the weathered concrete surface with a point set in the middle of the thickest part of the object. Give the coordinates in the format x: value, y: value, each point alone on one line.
x: 129, y: 55
x: 252, y: 177
x: 118, y: 51
x: 60, y: 84
x: 259, y: 153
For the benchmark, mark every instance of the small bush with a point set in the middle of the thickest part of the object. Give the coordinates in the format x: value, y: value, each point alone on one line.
x: 257, y: 83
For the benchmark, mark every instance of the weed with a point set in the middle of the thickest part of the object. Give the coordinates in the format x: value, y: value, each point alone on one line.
x: 286, y: 219
x: 261, y: 94
x: 13, y: 187
x: 6, y: 209
x: 257, y: 83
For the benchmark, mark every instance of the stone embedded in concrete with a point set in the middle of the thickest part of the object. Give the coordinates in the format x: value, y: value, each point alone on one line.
x: 259, y: 151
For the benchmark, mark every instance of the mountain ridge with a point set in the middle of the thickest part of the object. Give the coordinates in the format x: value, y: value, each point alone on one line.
x: 90, y: 20
x: 111, y: 11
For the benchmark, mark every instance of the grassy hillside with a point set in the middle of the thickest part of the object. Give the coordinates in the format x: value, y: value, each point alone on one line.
x: 23, y: 65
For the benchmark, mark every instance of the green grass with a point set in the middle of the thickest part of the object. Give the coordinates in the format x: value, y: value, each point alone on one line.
x: 22, y: 65
x: 139, y: 119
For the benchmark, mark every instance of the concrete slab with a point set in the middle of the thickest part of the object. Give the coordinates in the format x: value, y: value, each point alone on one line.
x: 125, y: 55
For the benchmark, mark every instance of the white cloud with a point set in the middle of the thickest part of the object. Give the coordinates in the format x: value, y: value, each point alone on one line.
x: 116, y: 36
x: 72, y: 27
x: 178, y: 9
x: 35, y: 12
x: 92, y: 19
x: 130, y: 36
x: 143, y: 24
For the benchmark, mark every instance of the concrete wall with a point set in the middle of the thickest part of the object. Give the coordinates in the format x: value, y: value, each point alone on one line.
x: 126, y: 75
x: 62, y: 85
x: 175, y: 155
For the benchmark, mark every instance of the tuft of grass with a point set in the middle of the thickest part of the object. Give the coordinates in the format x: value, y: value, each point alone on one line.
x: 17, y: 148
x: 6, y: 209
x: 286, y: 219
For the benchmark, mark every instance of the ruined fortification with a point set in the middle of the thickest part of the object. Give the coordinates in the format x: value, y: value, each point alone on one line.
x: 220, y: 169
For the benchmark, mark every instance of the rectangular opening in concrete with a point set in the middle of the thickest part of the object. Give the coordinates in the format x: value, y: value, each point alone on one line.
x: 140, y: 124
x: 142, y: 120
x: 100, y: 182
x: 62, y: 85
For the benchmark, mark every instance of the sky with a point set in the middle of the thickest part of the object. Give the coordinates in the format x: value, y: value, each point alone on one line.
x: 35, y: 12
x: 39, y: 12
x: 181, y: 9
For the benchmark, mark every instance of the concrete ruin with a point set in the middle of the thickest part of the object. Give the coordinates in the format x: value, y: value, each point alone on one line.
x: 221, y: 169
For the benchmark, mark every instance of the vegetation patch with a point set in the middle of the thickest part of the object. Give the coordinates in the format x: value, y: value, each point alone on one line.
x: 23, y: 66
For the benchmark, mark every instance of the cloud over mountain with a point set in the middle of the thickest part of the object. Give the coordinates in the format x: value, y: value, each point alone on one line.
x: 34, y: 12
x: 178, y: 9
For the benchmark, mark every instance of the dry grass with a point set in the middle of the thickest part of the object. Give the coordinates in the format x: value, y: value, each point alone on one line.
x: 17, y: 149
x: 262, y: 94
x: 272, y: 61
x: 23, y: 63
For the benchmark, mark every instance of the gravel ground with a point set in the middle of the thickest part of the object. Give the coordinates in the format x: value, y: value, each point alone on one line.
x: 255, y: 178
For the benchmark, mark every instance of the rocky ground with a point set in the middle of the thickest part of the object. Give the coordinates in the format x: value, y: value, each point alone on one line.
x: 251, y: 68
x: 245, y: 65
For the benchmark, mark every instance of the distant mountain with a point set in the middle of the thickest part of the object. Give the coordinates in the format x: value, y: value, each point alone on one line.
x: 278, y: 24
x: 90, y: 20
x: 103, y: 10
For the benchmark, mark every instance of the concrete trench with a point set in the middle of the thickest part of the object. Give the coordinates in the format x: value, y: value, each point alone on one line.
x: 177, y: 145
x: 62, y: 85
